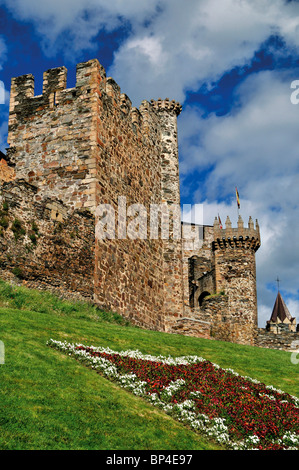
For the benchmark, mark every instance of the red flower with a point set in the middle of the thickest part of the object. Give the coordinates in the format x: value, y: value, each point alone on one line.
x: 248, y: 408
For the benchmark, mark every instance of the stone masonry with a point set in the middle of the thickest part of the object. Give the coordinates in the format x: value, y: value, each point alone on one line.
x: 86, y: 146
x: 81, y: 155
x: 43, y: 244
x: 220, y: 282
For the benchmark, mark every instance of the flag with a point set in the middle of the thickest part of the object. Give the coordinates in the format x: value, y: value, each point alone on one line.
x: 220, y: 223
x: 238, y: 199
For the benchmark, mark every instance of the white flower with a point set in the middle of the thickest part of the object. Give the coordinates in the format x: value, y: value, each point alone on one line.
x: 184, y: 411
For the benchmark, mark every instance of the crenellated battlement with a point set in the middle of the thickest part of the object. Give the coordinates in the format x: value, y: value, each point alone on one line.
x: 166, y: 104
x: 247, y: 237
x: 91, y: 82
x: 86, y: 146
x: 56, y: 137
x: 113, y: 89
x: 54, y: 80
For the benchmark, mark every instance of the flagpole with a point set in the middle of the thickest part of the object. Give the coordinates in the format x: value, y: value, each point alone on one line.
x: 238, y: 202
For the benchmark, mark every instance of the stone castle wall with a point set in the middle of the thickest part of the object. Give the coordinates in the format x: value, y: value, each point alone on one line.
x: 86, y: 146
x: 285, y: 340
x: 74, y: 151
x: 197, y: 259
x: 220, y: 283
x: 6, y: 172
x: 213, y: 320
x: 52, y: 136
x: 42, y: 245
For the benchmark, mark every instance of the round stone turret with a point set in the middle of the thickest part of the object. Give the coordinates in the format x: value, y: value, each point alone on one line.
x: 166, y: 104
x: 235, y: 275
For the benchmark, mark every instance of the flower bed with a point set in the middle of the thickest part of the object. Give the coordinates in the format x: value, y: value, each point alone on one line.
x: 237, y: 411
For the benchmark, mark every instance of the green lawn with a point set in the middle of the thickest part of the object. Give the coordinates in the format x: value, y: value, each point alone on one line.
x: 50, y: 401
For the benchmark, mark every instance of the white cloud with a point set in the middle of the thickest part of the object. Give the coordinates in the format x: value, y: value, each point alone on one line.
x: 150, y: 47
x: 256, y: 148
x: 72, y: 25
x: 293, y: 306
x: 198, y: 43
x: 172, y: 45
x: 277, y: 256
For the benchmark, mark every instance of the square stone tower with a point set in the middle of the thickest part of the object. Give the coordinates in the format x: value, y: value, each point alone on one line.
x: 85, y: 147
x: 95, y: 172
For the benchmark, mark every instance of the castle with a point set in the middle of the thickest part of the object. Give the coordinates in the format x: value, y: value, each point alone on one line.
x: 73, y: 150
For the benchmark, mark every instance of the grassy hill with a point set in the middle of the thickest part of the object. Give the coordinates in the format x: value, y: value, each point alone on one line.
x: 50, y: 401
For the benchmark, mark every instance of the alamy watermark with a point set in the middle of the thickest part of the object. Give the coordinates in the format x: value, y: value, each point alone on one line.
x: 2, y: 93
x: 158, y: 221
x: 295, y: 94
x: 295, y: 353
x: 2, y: 352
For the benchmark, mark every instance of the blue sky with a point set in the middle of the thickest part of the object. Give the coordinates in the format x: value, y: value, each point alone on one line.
x: 230, y: 63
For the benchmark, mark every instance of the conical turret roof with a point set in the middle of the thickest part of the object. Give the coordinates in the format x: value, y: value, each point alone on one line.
x: 280, y: 311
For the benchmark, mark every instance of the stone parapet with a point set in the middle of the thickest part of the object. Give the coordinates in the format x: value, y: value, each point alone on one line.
x: 166, y: 104
x: 248, y: 237
x: 192, y: 327
x: 285, y: 340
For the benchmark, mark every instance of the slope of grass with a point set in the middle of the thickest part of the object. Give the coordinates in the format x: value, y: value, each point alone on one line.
x: 49, y: 401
